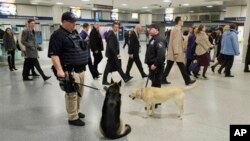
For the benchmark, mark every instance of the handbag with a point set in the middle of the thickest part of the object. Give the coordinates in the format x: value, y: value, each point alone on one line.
x: 194, y: 67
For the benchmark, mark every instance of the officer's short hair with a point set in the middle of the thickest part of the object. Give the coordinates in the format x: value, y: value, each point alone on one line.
x: 85, y: 25
x: 177, y: 19
x: 30, y: 20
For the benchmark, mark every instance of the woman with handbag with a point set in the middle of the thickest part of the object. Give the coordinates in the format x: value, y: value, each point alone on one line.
x: 10, y: 46
x: 202, y: 49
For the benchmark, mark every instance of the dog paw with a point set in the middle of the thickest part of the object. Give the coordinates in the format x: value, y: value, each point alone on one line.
x: 180, y: 117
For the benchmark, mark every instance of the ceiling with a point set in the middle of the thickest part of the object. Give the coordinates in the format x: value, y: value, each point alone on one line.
x: 142, y: 6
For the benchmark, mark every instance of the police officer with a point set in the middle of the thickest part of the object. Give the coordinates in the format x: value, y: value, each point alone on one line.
x: 69, y: 57
x: 155, y: 55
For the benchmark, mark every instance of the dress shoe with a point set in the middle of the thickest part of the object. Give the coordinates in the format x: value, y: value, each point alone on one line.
x: 14, y: 68
x: 35, y: 75
x: 11, y: 69
x: 190, y: 82
x: 165, y: 82
x: 127, y: 79
x: 76, y: 122
x: 81, y: 115
x: 99, y: 73
x: 246, y: 70
x: 144, y: 75
x: 105, y: 83
x: 46, y: 78
x: 219, y: 71
x: 27, y: 79
x: 212, y: 68
x: 204, y: 76
x: 229, y: 75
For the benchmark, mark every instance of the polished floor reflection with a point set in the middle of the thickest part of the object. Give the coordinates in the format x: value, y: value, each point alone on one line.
x: 36, y: 110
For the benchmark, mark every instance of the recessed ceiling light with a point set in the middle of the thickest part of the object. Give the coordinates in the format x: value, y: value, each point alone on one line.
x: 145, y: 7
x: 186, y: 4
x: 59, y: 3
x: 191, y: 11
x: 124, y: 4
x: 85, y: 0
x: 209, y: 6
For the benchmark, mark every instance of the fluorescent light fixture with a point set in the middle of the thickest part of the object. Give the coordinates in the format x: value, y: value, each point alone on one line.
x: 145, y: 7
x: 124, y: 4
x: 169, y: 10
x: 59, y: 3
x: 115, y: 10
x: 34, y: 3
x: 167, y: 1
x: 134, y: 15
x: 209, y: 6
x: 85, y: 0
x: 186, y: 4
x: 191, y: 11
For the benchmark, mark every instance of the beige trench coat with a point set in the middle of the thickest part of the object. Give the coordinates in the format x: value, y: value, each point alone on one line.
x: 176, y: 45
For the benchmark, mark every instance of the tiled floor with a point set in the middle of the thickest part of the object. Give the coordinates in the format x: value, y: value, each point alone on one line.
x: 35, y: 111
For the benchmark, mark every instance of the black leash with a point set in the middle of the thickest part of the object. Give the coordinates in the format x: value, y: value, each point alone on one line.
x: 87, y: 86
x: 147, y: 82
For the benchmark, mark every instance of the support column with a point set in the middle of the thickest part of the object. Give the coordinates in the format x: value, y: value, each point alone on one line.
x: 57, y: 13
x: 246, y: 31
x: 145, y: 19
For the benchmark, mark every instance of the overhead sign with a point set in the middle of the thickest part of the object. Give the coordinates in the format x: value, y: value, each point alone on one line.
x: 235, y: 19
x: 25, y: 17
x: 99, y: 6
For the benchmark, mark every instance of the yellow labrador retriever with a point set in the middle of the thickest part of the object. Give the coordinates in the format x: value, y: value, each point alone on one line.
x: 153, y: 95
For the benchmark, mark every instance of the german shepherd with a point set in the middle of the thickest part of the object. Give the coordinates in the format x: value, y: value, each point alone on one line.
x: 111, y: 126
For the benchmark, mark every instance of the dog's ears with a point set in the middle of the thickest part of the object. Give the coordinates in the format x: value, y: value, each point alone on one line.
x: 112, y: 81
x: 120, y: 83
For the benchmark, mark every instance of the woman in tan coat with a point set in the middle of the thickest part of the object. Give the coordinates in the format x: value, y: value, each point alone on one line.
x: 202, y: 49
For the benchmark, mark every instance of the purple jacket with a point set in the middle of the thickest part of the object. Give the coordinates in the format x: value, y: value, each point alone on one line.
x: 190, y: 50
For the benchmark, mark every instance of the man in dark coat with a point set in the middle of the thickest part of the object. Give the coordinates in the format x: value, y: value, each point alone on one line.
x: 247, y: 61
x: 113, y: 55
x: 133, y: 51
x: 96, y: 45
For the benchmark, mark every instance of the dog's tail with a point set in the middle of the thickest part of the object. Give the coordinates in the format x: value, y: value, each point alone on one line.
x: 189, y: 87
x: 125, y: 133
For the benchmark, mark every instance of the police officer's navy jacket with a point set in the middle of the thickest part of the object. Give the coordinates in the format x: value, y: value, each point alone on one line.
x: 69, y: 47
x: 155, y: 53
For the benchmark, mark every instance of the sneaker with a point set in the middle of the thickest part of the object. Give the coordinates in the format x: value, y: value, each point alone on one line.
x: 81, y: 115
x: 76, y: 122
